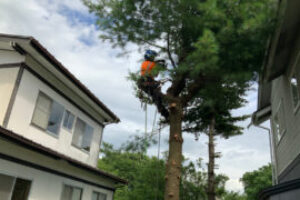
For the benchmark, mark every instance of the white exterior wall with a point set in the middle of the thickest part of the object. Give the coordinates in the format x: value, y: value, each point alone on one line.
x: 45, y: 185
x: 287, y: 149
x: 21, y: 115
x: 7, y: 56
x: 8, y: 78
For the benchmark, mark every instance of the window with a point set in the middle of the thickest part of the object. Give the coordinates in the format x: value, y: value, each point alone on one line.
x: 99, y: 196
x: 12, y: 188
x: 68, y: 120
x: 83, y: 135
x: 71, y: 193
x: 279, y: 123
x: 48, y: 114
x: 295, y: 90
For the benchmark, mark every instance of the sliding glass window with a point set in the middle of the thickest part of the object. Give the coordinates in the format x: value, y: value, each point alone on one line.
x: 47, y: 114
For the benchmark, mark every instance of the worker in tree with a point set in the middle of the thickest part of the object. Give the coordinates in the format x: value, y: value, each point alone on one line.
x: 148, y: 84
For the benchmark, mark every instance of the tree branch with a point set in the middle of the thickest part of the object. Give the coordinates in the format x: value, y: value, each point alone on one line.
x: 169, y: 52
x: 193, y: 89
x: 189, y: 129
x: 177, y: 86
x: 152, y: 44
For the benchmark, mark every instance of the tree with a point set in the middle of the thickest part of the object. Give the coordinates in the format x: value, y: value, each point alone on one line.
x: 213, y: 117
x: 146, y: 174
x: 194, y: 182
x: 257, y: 180
x: 203, y: 41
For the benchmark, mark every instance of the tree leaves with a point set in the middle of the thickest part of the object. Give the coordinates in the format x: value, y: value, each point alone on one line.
x: 146, y: 174
x: 256, y: 181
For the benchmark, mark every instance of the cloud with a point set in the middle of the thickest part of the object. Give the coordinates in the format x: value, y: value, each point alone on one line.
x: 67, y: 30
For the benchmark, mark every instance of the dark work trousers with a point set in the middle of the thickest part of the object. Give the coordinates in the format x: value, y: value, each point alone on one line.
x: 152, y: 88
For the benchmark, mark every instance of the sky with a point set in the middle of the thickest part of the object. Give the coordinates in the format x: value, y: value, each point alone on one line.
x: 68, y: 31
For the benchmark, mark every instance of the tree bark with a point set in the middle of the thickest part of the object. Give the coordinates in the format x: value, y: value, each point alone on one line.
x: 173, y: 166
x: 211, y: 193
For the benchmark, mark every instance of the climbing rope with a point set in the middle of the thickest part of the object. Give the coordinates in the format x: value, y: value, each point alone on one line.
x: 146, y: 119
x: 154, y: 132
x: 158, y: 167
x: 154, y: 121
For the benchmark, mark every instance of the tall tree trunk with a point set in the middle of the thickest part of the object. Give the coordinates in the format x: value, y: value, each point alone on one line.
x: 173, y: 166
x: 211, y: 193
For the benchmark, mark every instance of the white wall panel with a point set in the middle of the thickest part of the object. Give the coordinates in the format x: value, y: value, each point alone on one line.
x: 7, y: 81
x: 20, y: 121
x: 10, y: 57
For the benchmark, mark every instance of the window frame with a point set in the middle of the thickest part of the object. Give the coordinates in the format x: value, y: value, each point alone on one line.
x: 294, y: 75
x: 63, y: 119
x: 74, y: 129
x: 72, y: 186
x: 98, y: 193
x: 15, y: 177
x: 281, y: 130
x: 295, y: 71
x: 36, y: 107
x: 46, y: 129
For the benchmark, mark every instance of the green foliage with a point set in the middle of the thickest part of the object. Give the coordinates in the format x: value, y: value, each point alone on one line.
x: 138, y: 144
x: 193, y: 182
x: 206, y: 49
x: 214, y: 50
x: 230, y: 52
x: 240, y: 28
x: 217, y: 101
x: 256, y: 181
x: 213, y: 44
x: 146, y: 174
x: 234, y: 196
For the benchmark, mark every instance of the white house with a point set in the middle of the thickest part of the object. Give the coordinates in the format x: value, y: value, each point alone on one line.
x: 51, y: 128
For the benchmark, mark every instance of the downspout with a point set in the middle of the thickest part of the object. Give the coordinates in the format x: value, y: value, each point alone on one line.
x: 272, y: 153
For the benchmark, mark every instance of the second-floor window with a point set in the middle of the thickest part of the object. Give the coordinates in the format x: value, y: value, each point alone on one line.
x: 83, y: 134
x: 278, y: 122
x: 47, y: 114
x: 68, y: 120
x: 294, y: 82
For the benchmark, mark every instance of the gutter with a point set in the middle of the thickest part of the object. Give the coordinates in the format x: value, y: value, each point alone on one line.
x: 272, y: 153
x: 261, y: 115
x: 279, y: 190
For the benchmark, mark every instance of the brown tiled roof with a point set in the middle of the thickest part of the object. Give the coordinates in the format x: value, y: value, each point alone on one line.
x: 29, y: 144
x: 59, y: 66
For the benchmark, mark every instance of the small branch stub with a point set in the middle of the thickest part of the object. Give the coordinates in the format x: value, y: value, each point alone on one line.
x: 177, y: 138
x: 172, y: 105
x: 173, y: 163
